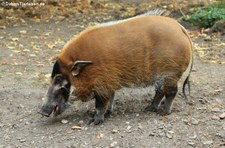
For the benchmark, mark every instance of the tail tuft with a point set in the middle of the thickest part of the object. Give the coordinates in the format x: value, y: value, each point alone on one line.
x: 186, y: 82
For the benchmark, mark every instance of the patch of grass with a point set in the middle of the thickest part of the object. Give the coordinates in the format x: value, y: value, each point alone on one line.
x: 206, y: 17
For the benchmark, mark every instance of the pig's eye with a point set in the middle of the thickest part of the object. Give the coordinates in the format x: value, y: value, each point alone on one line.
x: 63, y: 91
x: 58, y: 80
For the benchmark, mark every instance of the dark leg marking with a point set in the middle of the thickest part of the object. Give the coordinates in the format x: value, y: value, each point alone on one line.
x: 166, y: 105
x: 156, y: 101
x: 101, y: 105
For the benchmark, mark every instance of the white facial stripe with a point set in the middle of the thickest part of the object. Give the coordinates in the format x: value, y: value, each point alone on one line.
x: 64, y: 83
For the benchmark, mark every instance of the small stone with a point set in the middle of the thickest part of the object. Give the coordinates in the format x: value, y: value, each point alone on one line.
x: 22, y: 140
x: 203, y: 101
x: 193, y: 137
x: 140, y: 126
x: 161, y: 134
x: 1, y: 125
x: 129, y: 127
x: 85, y: 128
x: 64, y: 121
x: 81, y: 122
x: 185, y: 121
x: 113, y: 144
x: 152, y: 134
x: 216, y: 109
x: 27, y: 123
x: 160, y: 127
x: 215, y: 117
x: 114, y: 131
x: 222, y: 116
x: 221, y: 134
x: 208, y: 142
x: 169, y: 134
x: 191, y: 143
x: 208, y: 38
x: 194, y: 121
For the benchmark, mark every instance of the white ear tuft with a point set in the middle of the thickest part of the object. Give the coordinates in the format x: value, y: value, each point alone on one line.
x: 78, y: 67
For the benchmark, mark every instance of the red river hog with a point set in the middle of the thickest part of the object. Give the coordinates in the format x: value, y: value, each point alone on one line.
x: 136, y: 52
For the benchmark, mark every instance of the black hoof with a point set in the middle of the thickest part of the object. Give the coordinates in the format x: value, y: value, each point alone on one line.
x: 108, y: 113
x: 150, y: 108
x: 163, y: 112
x: 95, y: 121
x: 91, y: 113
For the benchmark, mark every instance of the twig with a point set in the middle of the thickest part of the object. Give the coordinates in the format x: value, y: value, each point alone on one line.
x: 182, y: 12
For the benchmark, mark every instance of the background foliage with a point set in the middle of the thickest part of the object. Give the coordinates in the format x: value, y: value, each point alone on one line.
x: 207, y: 16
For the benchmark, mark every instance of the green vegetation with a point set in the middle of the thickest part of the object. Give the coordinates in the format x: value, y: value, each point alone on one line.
x: 207, y: 16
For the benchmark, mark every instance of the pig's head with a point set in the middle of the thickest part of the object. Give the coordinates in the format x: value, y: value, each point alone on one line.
x: 59, y: 89
x: 57, y: 95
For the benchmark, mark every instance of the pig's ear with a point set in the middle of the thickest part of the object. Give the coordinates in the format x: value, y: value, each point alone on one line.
x: 55, y: 70
x: 79, y: 66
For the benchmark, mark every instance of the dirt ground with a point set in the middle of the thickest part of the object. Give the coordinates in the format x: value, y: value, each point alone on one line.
x: 27, y: 52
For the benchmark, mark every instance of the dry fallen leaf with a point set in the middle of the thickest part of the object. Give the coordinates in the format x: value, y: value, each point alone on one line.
x: 216, y: 105
x: 10, y: 47
x: 32, y: 55
x: 19, y: 73
x: 48, y: 75
x: 47, y: 34
x: 16, y: 51
x: 2, y: 27
x: 26, y: 50
x: 40, y: 64
x: 51, y: 46
x: 23, y: 31
x: 218, y: 90
x: 15, y: 39
x: 100, y: 136
x: 75, y: 127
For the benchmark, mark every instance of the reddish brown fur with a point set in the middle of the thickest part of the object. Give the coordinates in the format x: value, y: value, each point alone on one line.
x: 130, y: 53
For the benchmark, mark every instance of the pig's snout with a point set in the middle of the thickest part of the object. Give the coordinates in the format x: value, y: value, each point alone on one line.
x: 43, y: 113
x: 46, y: 110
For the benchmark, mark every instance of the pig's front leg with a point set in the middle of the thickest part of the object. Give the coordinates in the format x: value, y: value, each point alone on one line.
x: 101, y: 105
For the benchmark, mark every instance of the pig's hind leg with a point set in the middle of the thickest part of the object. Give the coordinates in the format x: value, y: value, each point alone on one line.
x: 156, y: 101
x: 159, y: 94
x: 170, y: 90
